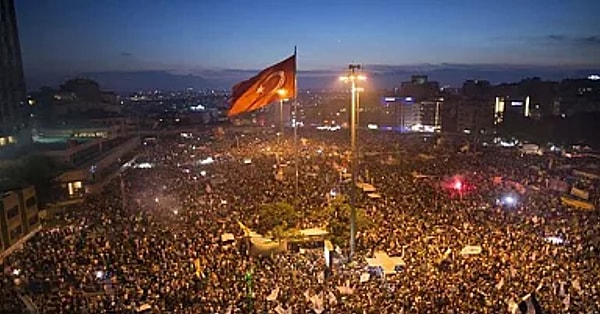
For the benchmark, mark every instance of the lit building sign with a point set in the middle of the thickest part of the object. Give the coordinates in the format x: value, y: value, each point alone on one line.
x: 499, y: 111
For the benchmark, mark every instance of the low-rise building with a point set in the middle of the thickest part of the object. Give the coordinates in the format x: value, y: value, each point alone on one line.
x: 18, y: 215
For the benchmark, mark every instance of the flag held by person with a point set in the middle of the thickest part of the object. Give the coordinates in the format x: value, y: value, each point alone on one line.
x: 197, y: 268
x: 273, y: 295
x: 271, y: 84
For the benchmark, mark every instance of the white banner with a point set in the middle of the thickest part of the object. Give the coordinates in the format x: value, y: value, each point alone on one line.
x: 471, y: 250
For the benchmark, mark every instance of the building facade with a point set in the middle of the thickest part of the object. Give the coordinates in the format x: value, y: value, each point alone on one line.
x: 407, y: 115
x: 19, y: 215
x: 13, y: 116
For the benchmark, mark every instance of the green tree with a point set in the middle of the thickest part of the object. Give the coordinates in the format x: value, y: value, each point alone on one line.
x: 277, y: 219
x: 339, y: 221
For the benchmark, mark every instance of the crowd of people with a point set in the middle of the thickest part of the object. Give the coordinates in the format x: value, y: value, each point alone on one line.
x: 151, y: 240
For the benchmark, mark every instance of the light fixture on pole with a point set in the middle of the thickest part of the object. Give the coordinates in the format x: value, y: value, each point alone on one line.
x: 353, y: 77
x: 282, y: 93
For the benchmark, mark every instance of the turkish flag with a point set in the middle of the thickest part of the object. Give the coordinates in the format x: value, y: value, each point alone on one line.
x: 265, y: 87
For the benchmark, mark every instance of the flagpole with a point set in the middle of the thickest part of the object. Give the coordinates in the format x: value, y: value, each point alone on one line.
x: 296, y: 119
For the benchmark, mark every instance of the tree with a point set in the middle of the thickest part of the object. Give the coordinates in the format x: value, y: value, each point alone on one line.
x: 339, y: 221
x: 277, y: 219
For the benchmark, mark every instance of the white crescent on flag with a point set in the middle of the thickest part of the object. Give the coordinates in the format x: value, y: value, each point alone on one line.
x: 280, y: 82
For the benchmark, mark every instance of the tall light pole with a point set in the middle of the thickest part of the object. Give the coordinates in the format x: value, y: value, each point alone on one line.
x: 296, y: 160
x: 282, y: 93
x: 353, y: 77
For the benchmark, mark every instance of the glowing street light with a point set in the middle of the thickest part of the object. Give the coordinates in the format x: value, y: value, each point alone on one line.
x: 282, y: 92
x: 353, y: 77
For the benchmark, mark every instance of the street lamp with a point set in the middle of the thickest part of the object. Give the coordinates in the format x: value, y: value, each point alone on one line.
x: 282, y: 92
x: 353, y: 77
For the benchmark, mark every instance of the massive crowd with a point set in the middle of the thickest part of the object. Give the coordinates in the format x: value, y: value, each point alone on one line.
x: 151, y: 241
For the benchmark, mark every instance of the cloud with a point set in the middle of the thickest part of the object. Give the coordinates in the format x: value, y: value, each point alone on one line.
x: 592, y: 40
x: 582, y: 41
x: 556, y: 37
x: 126, y: 54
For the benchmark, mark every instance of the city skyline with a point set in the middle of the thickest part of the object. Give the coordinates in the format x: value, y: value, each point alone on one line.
x: 221, y: 42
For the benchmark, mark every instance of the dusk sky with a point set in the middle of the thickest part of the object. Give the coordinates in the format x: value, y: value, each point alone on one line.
x: 67, y: 36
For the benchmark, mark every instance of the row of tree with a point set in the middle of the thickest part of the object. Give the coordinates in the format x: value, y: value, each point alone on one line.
x: 282, y: 220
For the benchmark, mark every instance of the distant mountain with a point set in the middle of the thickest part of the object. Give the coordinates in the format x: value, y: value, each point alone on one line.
x: 380, y: 76
x: 147, y: 80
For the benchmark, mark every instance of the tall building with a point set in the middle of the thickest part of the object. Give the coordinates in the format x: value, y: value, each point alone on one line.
x: 419, y: 88
x: 406, y: 114
x: 13, y: 118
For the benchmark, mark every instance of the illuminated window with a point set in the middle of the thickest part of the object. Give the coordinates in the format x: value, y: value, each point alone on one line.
x: 74, y: 187
x: 3, y: 141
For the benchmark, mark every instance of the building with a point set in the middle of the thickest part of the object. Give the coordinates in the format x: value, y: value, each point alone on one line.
x: 81, y: 96
x: 18, y: 215
x: 578, y: 96
x: 90, y: 164
x: 419, y: 88
x: 406, y: 114
x: 13, y: 115
x: 476, y: 89
x: 429, y: 114
x: 513, y: 108
x: 474, y: 116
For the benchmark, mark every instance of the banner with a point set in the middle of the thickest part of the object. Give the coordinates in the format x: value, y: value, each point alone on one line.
x: 577, y: 204
x: 580, y: 193
x: 364, y: 277
x: 586, y: 174
x: 273, y: 295
x: 471, y: 250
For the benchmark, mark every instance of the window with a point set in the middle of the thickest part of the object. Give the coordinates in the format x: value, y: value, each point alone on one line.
x: 12, y: 213
x: 16, y: 233
x: 33, y: 220
x: 30, y: 202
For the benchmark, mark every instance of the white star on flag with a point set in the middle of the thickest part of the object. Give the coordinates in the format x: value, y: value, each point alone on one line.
x: 260, y: 89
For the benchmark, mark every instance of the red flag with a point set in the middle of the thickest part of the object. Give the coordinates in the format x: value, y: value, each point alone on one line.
x: 265, y: 87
